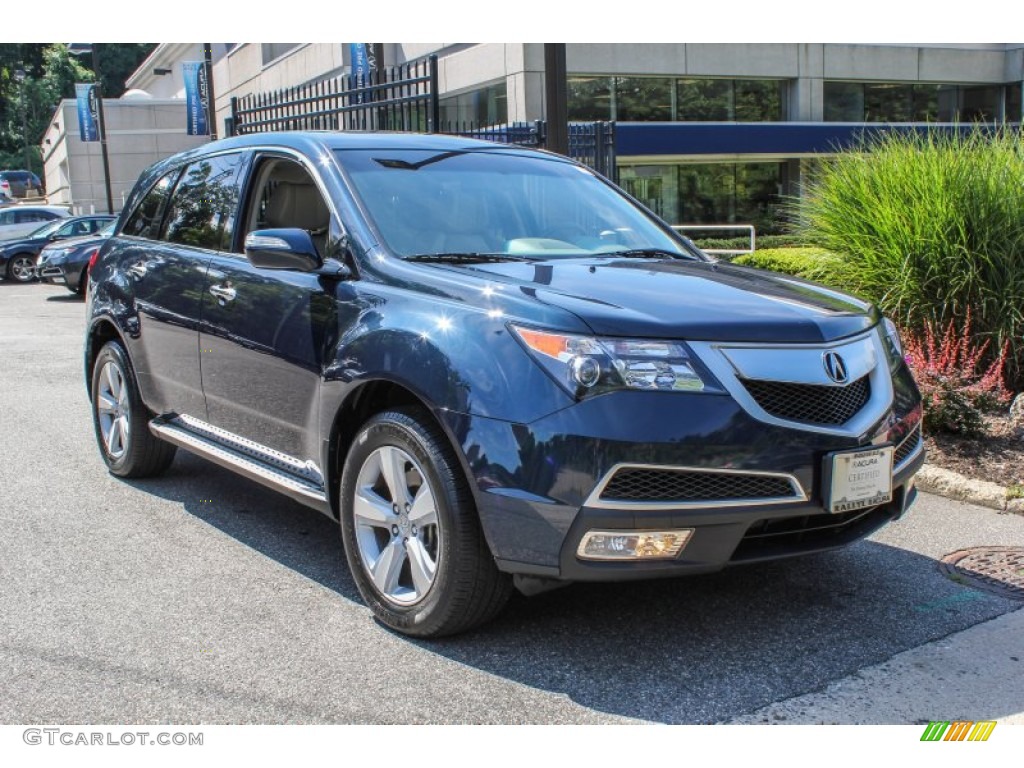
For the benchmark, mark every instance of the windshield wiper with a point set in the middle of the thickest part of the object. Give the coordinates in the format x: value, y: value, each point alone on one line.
x: 465, y: 258
x: 647, y: 253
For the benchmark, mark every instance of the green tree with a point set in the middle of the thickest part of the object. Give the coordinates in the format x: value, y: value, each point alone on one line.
x: 51, y: 71
x: 117, y: 61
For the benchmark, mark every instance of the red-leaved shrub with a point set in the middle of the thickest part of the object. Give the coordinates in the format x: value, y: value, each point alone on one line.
x: 955, y: 389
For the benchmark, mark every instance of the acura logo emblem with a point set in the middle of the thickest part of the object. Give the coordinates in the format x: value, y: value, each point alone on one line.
x: 835, y: 367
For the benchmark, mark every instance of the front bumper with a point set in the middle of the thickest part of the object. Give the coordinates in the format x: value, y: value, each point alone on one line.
x: 537, y: 485
x: 50, y: 272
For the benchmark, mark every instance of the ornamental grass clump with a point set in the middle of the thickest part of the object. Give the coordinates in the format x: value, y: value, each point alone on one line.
x: 957, y: 387
x: 930, y: 226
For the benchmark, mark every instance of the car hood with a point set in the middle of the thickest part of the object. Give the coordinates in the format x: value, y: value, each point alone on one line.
x: 669, y: 298
x: 74, y: 243
x: 30, y: 243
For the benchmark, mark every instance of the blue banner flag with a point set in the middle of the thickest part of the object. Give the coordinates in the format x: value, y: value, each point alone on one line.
x: 88, y: 112
x: 360, y: 68
x: 197, y: 97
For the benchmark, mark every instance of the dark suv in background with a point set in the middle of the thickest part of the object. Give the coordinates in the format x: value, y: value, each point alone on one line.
x: 492, y: 366
x: 20, y: 184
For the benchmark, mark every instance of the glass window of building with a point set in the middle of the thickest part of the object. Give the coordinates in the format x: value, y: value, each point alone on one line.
x: 590, y: 98
x: 484, y: 106
x: 704, y: 100
x: 711, y: 193
x: 730, y: 100
x: 910, y: 102
x: 653, y: 185
x: 980, y: 103
x: 1014, y: 108
x: 888, y: 103
x: 643, y: 99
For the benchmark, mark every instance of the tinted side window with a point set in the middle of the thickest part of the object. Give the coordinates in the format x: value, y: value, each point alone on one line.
x: 6, y: 217
x: 145, y: 219
x: 23, y: 217
x: 203, y: 211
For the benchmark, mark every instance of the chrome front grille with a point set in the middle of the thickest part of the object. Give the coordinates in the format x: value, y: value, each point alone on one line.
x: 810, y: 403
x: 629, y: 485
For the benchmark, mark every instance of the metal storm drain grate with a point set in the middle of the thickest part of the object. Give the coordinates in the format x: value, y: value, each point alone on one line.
x: 999, y: 570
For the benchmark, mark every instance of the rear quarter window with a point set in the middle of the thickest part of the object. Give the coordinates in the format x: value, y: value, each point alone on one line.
x: 145, y: 219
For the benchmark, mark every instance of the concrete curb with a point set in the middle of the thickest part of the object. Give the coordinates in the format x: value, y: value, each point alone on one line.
x: 953, y: 485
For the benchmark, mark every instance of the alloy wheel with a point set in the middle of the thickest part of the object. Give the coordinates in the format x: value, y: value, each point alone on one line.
x: 112, y: 407
x: 22, y: 268
x: 396, y: 525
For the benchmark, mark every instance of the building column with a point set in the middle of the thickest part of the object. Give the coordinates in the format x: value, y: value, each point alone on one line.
x: 807, y: 93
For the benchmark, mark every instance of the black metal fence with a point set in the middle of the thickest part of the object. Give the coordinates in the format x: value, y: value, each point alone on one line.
x: 401, y: 98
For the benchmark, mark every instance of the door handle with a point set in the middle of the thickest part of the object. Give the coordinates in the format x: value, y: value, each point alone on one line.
x: 138, y: 269
x: 223, y: 292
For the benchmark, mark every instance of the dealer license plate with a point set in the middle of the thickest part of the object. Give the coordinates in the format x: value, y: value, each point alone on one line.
x: 860, y: 479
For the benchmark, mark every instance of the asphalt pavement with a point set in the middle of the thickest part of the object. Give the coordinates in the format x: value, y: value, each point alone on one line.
x: 203, y: 597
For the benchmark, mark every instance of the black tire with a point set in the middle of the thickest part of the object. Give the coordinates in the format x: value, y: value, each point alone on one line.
x: 83, y: 282
x: 21, y: 268
x: 466, y: 588
x: 138, y: 453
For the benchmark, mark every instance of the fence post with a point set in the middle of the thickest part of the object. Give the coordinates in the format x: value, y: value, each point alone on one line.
x: 234, y: 116
x: 599, y: 150
x: 435, y: 98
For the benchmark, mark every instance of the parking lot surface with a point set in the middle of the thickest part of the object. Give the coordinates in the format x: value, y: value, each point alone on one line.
x: 203, y: 597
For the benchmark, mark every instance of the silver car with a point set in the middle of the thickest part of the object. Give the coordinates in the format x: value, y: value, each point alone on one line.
x: 19, y: 220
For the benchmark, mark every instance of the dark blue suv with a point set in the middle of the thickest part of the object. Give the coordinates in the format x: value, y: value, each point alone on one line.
x: 492, y: 366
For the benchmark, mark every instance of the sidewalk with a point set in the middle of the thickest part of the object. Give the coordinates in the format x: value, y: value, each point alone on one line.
x: 976, y: 674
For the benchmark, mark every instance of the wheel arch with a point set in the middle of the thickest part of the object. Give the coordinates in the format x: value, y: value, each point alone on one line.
x: 365, y: 401
x: 100, y: 332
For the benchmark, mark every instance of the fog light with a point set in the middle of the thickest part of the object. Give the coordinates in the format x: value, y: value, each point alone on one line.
x: 633, y: 545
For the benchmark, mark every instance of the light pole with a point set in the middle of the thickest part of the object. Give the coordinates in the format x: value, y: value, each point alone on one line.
x: 79, y: 48
x: 19, y: 76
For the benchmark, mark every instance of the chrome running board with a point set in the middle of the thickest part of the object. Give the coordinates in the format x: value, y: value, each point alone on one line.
x: 295, y: 479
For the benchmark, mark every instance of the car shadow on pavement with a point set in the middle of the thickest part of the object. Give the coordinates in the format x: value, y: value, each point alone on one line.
x: 68, y: 298
x: 700, y: 649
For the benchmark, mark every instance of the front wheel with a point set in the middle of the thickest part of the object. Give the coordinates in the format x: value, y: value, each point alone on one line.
x: 411, y: 533
x: 21, y: 268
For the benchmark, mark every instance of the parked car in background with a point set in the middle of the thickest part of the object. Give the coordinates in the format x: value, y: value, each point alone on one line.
x: 16, y: 221
x: 491, y: 366
x: 68, y: 261
x: 20, y: 184
x: 18, y: 257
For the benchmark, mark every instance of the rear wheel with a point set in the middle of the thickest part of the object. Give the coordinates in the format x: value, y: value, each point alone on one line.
x: 21, y: 268
x: 121, y: 420
x: 411, y: 532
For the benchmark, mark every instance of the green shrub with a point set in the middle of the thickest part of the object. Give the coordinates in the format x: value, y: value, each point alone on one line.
x: 809, y: 263
x: 740, y: 243
x: 931, y: 227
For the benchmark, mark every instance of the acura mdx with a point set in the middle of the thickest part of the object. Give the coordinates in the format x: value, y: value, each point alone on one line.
x: 493, y: 367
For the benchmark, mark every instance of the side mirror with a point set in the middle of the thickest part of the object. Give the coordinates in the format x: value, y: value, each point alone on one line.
x: 282, y: 249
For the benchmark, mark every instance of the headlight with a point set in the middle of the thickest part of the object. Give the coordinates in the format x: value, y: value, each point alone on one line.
x: 47, y: 254
x: 588, y: 365
x: 893, y: 343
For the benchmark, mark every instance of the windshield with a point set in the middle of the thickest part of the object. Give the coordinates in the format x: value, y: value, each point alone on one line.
x: 426, y: 202
x: 48, y: 228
